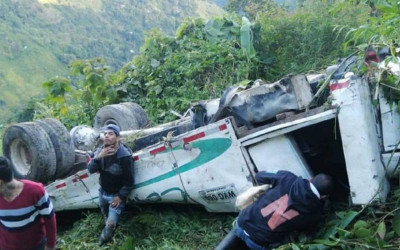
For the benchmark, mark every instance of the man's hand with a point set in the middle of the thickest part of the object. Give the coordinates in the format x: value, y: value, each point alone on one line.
x: 106, y: 151
x: 116, y: 201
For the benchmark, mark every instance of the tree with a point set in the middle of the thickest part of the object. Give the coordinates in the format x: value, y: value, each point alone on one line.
x: 76, y: 101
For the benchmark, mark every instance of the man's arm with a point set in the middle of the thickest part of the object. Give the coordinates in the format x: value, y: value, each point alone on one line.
x: 126, y: 164
x: 45, y: 208
x: 264, y: 177
x: 51, y: 232
x: 95, y: 163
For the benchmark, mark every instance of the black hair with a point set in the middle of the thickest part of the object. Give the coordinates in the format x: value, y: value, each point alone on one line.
x: 6, y: 171
x: 323, y: 183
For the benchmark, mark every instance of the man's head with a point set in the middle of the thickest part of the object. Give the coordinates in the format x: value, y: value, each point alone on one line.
x: 6, y: 171
x: 111, y: 134
x: 113, y: 128
x: 323, y: 183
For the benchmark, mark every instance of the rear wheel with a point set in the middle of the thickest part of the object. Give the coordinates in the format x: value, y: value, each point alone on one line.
x: 127, y: 116
x: 62, y: 144
x: 30, y: 150
x: 139, y: 113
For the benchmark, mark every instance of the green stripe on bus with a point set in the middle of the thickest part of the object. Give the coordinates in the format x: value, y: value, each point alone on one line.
x: 209, y: 150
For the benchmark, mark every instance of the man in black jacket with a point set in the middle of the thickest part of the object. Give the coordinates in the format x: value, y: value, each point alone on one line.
x: 114, y: 162
x: 291, y: 204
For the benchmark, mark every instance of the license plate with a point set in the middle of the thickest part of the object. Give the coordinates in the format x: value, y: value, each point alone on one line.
x: 223, y: 194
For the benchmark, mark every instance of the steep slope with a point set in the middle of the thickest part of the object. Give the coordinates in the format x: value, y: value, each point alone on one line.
x: 39, y: 38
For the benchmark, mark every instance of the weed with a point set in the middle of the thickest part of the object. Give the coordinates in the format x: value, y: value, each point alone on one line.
x: 151, y: 227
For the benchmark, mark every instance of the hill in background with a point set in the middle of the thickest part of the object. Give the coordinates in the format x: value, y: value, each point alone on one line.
x: 39, y: 38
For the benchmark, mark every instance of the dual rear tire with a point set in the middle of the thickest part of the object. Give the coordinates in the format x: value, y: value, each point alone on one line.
x: 44, y: 151
x: 40, y: 151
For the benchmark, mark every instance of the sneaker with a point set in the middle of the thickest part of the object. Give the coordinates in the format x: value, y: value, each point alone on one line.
x: 106, y: 235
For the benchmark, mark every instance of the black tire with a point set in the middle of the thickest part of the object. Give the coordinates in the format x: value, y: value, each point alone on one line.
x: 62, y: 144
x: 128, y: 116
x: 31, y: 152
x: 139, y: 113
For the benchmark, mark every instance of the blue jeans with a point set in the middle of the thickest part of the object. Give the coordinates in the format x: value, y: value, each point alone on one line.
x: 239, y: 232
x: 111, y: 213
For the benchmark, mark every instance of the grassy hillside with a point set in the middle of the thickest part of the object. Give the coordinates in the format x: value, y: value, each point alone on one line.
x: 161, y: 226
x: 39, y: 38
x: 24, y: 65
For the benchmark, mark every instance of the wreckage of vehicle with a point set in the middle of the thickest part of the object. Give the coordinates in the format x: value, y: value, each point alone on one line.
x: 211, y: 154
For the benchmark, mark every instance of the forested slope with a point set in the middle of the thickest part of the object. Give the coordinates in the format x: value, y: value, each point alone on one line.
x: 202, y: 59
x: 39, y: 38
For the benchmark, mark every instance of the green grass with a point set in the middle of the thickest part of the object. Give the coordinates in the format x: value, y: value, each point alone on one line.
x: 376, y: 226
x: 151, y: 227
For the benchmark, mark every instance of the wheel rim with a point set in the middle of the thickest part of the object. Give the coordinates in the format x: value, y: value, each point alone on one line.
x: 21, y: 157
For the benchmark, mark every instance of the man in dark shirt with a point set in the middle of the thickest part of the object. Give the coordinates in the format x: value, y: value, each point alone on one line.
x: 114, y: 162
x: 292, y: 203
